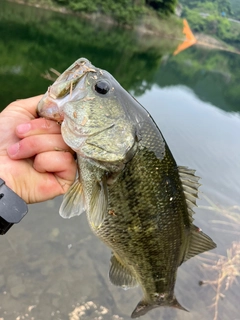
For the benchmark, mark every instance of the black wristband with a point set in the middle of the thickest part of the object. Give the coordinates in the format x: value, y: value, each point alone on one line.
x: 12, y: 208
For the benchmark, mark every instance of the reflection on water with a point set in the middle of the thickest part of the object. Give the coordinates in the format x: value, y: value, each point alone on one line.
x: 52, y: 268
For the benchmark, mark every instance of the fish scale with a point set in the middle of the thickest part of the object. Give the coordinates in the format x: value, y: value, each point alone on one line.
x: 137, y: 200
x: 146, y: 241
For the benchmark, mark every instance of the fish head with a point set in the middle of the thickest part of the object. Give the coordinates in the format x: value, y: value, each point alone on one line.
x: 90, y: 105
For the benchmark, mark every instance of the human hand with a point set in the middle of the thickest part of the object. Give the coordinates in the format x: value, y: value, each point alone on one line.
x: 34, y: 160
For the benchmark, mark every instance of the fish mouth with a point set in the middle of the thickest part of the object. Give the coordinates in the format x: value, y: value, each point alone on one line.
x: 49, y: 109
x: 69, y: 86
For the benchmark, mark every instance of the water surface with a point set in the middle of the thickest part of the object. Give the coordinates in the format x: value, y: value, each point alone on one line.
x: 51, y: 268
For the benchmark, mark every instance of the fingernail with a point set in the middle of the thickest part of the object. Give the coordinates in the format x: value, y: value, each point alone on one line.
x: 23, y: 128
x: 13, y: 149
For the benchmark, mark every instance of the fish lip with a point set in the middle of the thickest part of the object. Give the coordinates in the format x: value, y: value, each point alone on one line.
x: 49, y: 109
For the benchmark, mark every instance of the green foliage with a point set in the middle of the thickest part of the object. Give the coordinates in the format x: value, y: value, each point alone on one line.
x: 163, y: 6
x: 83, y: 5
x: 230, y: 7
x: 211, y: 7
x: 213, y: 75
x: 223, y: 28
x: 196, y: 22
x: 224, y: 6
x: 235, y: 8
x: 207, y: 7
x: 123, y: 11
x: 205, y: 16
x: 213, y: 25
x: 62, y: 2
x: 33, y: 41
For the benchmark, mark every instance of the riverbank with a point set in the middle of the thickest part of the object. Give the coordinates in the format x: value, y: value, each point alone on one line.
x: 148, y: 24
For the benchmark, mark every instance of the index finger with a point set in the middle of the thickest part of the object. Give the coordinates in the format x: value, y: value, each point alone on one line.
x: 29, y: 105
x: 37, y: 126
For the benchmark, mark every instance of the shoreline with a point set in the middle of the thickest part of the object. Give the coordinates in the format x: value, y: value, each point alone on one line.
x: 142, y: 28
x: 148, y: 26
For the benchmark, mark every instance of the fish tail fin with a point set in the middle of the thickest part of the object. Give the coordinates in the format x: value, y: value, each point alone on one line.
x: 177, y: 305
x: 143, y: 306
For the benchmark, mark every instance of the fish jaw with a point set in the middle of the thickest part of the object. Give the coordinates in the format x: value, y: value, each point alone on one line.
x: 49, y: 109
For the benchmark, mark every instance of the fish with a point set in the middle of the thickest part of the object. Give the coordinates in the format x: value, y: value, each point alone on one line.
x: 137, y: 200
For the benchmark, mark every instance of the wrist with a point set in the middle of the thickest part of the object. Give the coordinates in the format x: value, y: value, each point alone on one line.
x: 8, y: 179
x: 12, y: 208
x: 11, y: 176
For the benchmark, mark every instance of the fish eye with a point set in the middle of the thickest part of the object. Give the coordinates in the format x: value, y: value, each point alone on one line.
x: 102, y: 87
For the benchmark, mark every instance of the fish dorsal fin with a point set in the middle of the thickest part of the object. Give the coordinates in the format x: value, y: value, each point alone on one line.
x: 121, y: 276
x: 73, y: 203
x: 190, y: 186
x: 98, y: 203
x: 199, y: 242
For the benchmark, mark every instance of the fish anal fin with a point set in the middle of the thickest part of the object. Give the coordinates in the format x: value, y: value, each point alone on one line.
x: 144, y: 306
x: 73, y: 203
x: 199, y: 243
x: 98, y: 203
x: 120, y: 275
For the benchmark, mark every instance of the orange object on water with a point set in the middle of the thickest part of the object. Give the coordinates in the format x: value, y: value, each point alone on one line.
x: 189, y: 41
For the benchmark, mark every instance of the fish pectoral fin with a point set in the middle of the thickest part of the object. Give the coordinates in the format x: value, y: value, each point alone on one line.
x: 120, y: 275
x: 199, y: 243
x: 144, y: 306
x: 98, y: 203
x: 190, y: 186
x: 73, y: 203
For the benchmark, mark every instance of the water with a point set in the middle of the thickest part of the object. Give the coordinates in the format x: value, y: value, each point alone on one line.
x: 51, y: 268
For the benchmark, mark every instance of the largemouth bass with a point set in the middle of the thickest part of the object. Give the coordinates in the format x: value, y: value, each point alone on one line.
x: 137, y: 200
